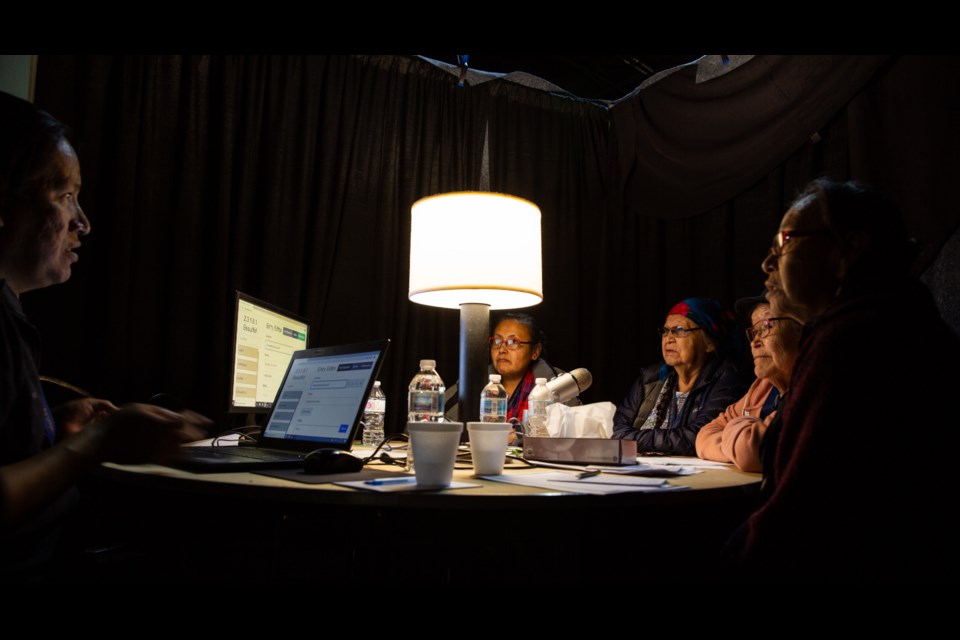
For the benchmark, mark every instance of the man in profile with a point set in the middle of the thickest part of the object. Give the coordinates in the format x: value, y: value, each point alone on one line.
x: 44, y: 451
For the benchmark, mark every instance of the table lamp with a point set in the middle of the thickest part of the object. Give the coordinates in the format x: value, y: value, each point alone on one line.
x: 475, y: 251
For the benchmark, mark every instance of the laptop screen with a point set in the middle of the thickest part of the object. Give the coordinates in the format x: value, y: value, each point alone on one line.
x: 323, y: 394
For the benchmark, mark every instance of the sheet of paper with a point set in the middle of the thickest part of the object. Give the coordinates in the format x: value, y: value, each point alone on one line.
x: 400, y: 484
x: 652, y: 470
x: 557, y: 481
x: 623, y: 481
x: 682, y: 461
x: 560, y: 465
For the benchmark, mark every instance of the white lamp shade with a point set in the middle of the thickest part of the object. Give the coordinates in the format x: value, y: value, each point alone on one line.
x: 475, y: 247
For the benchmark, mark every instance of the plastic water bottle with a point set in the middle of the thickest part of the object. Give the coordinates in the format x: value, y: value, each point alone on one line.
x: 537, y: 402
x: 493, y: 401
x: 425, y: 400
x: 373, y: 416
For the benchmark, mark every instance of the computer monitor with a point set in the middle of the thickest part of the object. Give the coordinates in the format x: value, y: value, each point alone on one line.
x: 265, y: 337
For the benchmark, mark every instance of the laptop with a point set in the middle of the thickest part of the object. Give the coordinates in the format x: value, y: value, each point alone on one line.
x: 319, y: 405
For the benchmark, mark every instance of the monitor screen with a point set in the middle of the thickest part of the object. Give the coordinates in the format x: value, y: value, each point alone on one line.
x: 265, y: 337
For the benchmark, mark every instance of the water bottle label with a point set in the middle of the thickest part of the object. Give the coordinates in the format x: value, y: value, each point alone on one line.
x: 493, y: 407
x: 377, y: 406
x: 423, y: 402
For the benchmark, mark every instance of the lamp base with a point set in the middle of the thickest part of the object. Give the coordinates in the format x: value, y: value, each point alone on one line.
x: 474, y: 357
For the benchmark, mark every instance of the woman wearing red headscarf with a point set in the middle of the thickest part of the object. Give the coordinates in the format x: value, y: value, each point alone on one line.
x: 698, y: 378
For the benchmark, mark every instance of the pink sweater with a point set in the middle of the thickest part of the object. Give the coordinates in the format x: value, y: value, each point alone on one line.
x: 735, y: 435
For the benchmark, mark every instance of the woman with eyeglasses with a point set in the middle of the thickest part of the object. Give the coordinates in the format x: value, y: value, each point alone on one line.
x: 862, y: 477
x: 698, y: 378
x: 516, y: 349
x: 737, y: 433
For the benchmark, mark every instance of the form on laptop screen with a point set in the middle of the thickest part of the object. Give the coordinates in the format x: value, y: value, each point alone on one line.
x: 321, y: 397
x: 265, y: 337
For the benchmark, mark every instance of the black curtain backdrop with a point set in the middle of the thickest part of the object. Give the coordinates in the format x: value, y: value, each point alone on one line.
x: 287, y: 177
x: 557, y: 153
x: 688, y: 146
x: 291, y: 178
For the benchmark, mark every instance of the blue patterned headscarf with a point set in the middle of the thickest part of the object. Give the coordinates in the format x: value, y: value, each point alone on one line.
x: 717, y: 322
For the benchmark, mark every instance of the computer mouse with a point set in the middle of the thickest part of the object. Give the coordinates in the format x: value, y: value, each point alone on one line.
x: 324, y: 461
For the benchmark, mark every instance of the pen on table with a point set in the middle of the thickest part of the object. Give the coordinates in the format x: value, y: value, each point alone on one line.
x: 390, y: 481
x: 588, y: 474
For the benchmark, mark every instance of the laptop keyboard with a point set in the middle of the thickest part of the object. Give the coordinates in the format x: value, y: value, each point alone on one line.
x: 251, y: 453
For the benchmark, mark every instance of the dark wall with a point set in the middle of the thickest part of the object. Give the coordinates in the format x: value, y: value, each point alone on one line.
x: 291, y: 178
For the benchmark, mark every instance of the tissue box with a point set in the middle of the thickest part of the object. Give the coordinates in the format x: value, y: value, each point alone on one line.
x: 580, y: 450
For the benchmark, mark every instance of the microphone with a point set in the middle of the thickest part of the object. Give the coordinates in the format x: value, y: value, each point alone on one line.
x: 570, y: 385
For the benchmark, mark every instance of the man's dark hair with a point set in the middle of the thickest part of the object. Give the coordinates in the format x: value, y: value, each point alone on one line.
x: 28, y: 138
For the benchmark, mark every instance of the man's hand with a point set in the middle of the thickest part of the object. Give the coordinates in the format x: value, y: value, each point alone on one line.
x: 72, y: 416
x: 141, y: 433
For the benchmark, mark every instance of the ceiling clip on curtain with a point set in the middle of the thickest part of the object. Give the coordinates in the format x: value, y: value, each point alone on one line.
x: 463, y: 63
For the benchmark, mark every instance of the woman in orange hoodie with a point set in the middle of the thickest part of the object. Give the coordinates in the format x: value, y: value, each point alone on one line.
x: 735, y: 435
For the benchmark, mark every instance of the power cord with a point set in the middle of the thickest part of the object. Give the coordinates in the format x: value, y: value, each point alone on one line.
x: 385, y: 457
x: 245, y: 433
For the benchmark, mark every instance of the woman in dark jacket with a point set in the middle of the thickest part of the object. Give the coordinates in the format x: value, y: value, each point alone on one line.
x: 698, y: 378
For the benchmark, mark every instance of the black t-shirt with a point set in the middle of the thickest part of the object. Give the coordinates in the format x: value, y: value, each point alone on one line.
x: 25, y: 550
x: 23, y: 410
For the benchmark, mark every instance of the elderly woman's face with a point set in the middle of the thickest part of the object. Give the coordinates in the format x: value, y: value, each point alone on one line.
x: 775, y: 353
x: 690, y: 350
x: 512, y: 363
x: 42, y: 230
x: 802, y: 281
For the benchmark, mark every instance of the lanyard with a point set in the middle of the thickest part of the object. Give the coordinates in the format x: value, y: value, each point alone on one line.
x: 674, y: 416
x: 49, y: 426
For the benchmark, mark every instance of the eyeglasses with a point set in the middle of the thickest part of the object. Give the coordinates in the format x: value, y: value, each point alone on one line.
x: 511, y: 343
x: 676, y: 332
x: 763, y: 328
x: 781, y: 238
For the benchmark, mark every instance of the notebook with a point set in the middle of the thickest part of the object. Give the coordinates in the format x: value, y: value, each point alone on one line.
x: 319, y: 404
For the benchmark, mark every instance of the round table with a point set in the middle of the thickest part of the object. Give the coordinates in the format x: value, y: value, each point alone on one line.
x: 252, y: 528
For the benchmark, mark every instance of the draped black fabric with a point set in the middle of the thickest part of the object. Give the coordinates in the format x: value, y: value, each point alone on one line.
x: 291, y: 178
x: 686, y: 147
x: 556, y: 152
x: 903, y: 136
